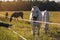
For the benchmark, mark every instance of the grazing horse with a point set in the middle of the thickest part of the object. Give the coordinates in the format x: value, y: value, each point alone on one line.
x: 35, y: 15
x: 16, y: 15
x: 6, y: 15
x: 45, y: 18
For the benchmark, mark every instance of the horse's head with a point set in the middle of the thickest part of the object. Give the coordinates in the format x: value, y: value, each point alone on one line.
x: 35, y: 10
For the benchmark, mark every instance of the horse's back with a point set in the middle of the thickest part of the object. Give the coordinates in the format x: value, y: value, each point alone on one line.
x: 21, y: 13
x: 46, y: 15
x: 17, y: 14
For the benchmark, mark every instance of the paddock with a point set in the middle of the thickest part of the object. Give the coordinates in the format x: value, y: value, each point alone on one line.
x: 24, y: 27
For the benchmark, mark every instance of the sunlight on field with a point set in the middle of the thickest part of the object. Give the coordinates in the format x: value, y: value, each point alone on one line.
x: 24, y: 27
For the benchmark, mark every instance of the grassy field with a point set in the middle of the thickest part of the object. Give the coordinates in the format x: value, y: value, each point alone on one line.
x: 24, y: 28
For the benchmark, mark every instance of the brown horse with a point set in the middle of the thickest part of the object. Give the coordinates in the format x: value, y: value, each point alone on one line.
x: 16, y: 15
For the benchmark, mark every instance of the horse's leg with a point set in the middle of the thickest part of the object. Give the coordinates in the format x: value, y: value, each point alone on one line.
x: 46, y: 25
x: 46, y: 28
x: 38, y: 26
x: 22, y: 16
x: 10, y: 19
x: 33, y: 31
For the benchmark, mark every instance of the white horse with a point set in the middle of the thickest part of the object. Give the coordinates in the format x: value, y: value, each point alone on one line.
x: 35, y: 15
x: 45, y: 18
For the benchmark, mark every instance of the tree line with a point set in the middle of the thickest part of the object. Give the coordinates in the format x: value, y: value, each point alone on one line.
x: 26, y: 6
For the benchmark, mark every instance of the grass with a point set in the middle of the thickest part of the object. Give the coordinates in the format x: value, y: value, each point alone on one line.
x: 24, y: 28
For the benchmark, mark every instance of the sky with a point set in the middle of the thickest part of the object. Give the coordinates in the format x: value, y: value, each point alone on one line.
x: 50, y: 0
x: 56, y: 0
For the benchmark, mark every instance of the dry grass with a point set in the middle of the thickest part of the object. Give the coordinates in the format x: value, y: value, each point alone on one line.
x: 24, y: 29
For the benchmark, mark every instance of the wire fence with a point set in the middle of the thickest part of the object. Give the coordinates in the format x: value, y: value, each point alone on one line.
x: 29, y: 21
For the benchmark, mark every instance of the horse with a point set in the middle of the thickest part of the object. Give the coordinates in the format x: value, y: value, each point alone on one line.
x: 35, y: 15
x: 6, y: 15
x: 45, y: 18
x: 16, y: 15
x: 5, y: 24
